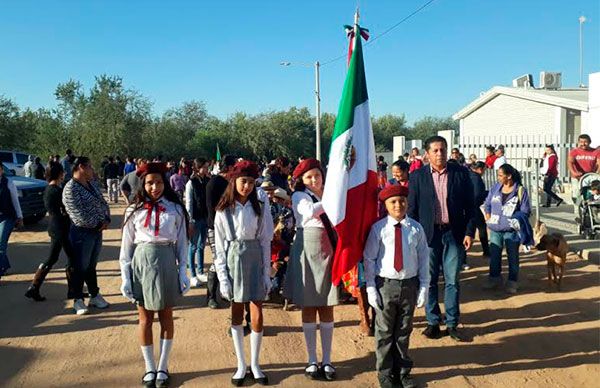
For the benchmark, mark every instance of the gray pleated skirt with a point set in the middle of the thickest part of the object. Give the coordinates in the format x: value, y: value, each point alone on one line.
x: 308, y: 278
x: 155, y: 276
x: 246, y: 269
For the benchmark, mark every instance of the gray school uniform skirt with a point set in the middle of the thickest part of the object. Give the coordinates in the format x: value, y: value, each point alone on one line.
x: 246, y: 269
x: 155, y: 276
x: 308, y: 278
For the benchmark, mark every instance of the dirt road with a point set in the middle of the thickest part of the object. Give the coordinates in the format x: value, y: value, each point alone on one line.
x: 536, y: 338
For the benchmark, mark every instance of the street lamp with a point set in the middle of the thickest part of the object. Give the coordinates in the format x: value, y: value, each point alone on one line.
x: 582, y: 20
x: 317, y: 66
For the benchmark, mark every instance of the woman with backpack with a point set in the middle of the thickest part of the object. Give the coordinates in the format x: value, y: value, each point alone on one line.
x: 507, y: 209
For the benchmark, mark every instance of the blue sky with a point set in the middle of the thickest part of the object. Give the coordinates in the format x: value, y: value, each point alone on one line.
x: 227, y: 53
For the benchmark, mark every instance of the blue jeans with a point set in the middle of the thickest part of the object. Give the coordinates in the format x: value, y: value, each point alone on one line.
x: 445, y: 253
x: 196, y: 247
x: 86, y: 245
x: 511, y: 240
x: 6, y: 227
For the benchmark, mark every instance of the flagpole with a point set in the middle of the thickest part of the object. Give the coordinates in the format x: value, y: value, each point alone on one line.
x: 318, y: 110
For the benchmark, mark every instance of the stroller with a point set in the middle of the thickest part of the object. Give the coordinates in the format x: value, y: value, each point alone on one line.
x: 589, y: 210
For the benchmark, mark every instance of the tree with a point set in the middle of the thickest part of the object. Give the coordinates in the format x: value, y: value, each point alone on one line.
x: 429, y: 126
x: 385, y: 128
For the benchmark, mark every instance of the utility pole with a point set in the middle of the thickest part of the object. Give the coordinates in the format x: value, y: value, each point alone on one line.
x: 318, y: 110
x: 582, y: 20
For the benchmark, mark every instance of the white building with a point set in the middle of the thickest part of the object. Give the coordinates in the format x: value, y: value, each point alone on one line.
x: 524, y: 119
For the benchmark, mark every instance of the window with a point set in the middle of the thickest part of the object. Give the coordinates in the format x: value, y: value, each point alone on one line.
x: 6, y: 157
x: 22, y: 158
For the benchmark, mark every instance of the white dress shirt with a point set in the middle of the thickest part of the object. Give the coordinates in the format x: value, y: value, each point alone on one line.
x: 306, y: 211
x: 379, y: 251
x: 172, y: 230
x: 245, y: 225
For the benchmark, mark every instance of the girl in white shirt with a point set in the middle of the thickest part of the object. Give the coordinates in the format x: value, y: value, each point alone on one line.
x: 243, y: 234
x: 308, y: 282
x: 153, y: 263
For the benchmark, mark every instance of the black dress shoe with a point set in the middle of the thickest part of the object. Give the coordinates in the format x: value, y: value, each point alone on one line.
x: 559, y: 203
x: 163, y: 383
x: 408, y: 382
x: 261, y: 380
x: 331, y: 375
x: 432, y: 332
x: 238, y: 382
x: 313, y: 375
x: 453, y: 333
x: 149, y: 383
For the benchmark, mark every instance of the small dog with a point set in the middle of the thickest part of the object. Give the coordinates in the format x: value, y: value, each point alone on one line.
x: 556, y: 255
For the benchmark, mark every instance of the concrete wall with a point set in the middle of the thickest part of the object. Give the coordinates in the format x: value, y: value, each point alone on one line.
x: 593, y: 117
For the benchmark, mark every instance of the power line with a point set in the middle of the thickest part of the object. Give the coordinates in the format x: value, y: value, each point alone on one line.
x: 384, y: 32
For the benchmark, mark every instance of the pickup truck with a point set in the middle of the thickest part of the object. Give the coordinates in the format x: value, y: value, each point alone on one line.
x: 31, y: 196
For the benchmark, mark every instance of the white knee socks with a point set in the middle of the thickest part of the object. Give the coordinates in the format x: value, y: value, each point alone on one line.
x: 237, y: 334
x: 255, y: 342
x: 148, y: 353
x: 165, y: 350
x: 310, y: 337
x: 326, y: 339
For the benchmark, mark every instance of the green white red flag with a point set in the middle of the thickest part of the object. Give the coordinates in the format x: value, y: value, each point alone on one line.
x: 350, y: 193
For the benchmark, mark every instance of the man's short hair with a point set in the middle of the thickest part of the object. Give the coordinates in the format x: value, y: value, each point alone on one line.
x: 435, y: 139
x: 478, y: 165
x: 586, y: 137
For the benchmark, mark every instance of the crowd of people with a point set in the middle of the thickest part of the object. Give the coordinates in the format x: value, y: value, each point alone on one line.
x: 271, y: 240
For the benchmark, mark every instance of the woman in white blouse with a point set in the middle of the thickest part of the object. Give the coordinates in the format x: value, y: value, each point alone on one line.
x: 243, y: 234
x: 308, y: 282
x: 153, y: 263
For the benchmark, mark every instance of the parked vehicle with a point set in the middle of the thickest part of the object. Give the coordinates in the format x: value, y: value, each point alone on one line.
x: 31, y: 195
x: 14, y: 160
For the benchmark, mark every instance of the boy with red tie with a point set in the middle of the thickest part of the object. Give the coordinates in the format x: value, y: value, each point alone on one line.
x: 396, y: 258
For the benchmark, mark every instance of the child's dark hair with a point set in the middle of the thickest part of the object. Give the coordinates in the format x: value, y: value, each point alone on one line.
x: 141, y: 197
x: 402, y: 165
x: 595, y: 185
x: 230, y: 196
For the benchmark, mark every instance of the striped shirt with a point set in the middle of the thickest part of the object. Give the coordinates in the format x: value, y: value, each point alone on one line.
x: 440, y: 184
x: 85, y: 205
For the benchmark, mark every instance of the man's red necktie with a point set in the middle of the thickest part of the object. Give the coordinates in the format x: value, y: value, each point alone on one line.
x: 398, y: 263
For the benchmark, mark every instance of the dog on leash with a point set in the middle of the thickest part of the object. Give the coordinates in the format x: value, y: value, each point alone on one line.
x: 556, y: 248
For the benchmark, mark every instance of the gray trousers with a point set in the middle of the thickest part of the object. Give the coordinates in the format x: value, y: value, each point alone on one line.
x: 393, y: 326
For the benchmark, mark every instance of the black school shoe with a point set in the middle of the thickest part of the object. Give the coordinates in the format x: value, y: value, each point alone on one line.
x: 408, y: 382
x: 149, y: 383
x: 163, y: 383
x: 329, y: 376
x: 261, y: 380
x: 432, y: 332
x: 239, y: 382
x: 312, y: 375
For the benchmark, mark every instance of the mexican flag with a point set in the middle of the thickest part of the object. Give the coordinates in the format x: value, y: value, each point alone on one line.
x: 350, y: 193
x: 218, y: 153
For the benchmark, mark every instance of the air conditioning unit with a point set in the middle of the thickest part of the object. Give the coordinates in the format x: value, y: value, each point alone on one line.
x: 524, y: 81
x: 550, y: 80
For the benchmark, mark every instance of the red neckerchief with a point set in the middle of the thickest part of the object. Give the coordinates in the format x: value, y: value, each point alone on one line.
x: 157, y: 209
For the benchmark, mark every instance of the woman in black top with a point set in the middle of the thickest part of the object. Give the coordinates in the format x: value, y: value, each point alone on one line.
x: 58, y: 230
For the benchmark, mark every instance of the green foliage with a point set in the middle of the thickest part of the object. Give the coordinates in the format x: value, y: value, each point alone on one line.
x: 112, y: 120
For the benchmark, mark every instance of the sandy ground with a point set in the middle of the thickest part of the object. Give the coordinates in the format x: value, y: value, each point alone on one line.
x: 536, y: 338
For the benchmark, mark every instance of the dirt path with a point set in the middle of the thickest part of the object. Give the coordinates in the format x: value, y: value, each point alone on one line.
x: 536, y: 338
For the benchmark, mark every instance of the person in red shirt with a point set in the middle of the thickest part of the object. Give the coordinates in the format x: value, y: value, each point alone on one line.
x: 490, y: 156
x: 582, y: 160
x: 415, y: 162
x: 550, y: 171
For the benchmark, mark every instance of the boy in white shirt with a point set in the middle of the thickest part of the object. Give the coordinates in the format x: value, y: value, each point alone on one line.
x: 396, y: 258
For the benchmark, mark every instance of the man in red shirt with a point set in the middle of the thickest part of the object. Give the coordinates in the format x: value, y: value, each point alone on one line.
x: 490, y: 156
x: 582, y: 160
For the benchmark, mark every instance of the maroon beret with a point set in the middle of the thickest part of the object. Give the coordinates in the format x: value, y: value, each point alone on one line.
x: 151, y: 168
x: 306, y: 165
x: 393, y: 191
x: 244, y: 168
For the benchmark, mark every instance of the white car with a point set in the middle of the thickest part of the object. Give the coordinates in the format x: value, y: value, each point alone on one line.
x: 14, y: 160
